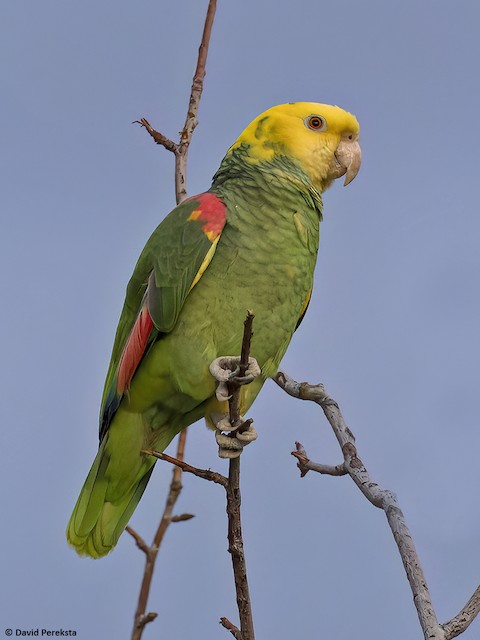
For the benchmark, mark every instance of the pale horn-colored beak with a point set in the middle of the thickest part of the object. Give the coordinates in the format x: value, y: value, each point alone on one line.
x: 349, y: 157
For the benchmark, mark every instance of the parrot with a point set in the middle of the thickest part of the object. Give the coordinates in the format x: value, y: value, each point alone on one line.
x: 249, y: 242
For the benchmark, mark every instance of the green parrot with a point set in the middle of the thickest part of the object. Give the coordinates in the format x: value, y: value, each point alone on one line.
x: 249, y: 242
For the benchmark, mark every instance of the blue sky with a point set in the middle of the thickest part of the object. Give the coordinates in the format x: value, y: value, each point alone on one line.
x: 392, y: 330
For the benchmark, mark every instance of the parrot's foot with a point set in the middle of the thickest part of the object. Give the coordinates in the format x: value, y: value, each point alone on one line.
x: 227, y: 368
x: 230, y: 445
x: 231, y: 438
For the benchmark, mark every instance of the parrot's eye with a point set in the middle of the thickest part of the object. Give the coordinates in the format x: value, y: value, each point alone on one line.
x: 317, y: 123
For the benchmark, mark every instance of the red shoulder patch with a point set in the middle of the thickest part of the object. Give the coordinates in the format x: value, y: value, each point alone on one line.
x: 210, y: 211
x: 134, y: 349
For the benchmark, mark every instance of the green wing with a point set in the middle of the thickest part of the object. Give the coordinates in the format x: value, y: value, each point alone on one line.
x: 172, y: 262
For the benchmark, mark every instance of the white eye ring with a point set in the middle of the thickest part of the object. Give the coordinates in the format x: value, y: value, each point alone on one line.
x: 315, y: 122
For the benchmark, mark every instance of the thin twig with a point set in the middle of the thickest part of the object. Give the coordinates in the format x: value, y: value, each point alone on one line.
x: 305, y: 465
x: 236, y: 550
x: 195, y: 95
x: 234, y: 498
x: 182, y: 517
x: 234, y: 389
x: 141, y: 618
x: 235, y: 631
x: 157, y: 136
x: 180, y: 149
x: 383, y: 499
x: 205, y: 474
x: 140, y: 542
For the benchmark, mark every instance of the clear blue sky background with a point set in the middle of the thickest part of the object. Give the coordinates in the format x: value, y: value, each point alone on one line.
x: 392, y: 331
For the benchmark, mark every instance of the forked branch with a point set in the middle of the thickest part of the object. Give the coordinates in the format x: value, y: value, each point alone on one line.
x: 383, y: 499
x: 141, y: 617
x: 180, y: 148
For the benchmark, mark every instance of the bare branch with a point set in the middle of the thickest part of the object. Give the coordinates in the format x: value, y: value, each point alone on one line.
x: 180, y: 149
x: 182, y: 517
x: 141, y: 618
x: 235, y: 631
x: 157, y: 136
x: 383, y: 499
x: 145, y: 619
x: 140, y: 542
x: 205, y: 474
x: 234, y: 387
x: 236, y: 550
x: 305, y: 465
x: 195, y: 95
x: 467, y: 615
x: 198, y: 77
x: 234, y: 499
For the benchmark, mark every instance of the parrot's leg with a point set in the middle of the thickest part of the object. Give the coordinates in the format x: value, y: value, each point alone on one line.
x: 225, y: 370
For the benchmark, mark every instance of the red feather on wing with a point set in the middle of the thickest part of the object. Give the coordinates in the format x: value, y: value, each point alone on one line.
x: 134, y: 349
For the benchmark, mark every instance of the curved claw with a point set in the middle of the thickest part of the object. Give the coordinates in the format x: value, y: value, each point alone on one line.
x: 222, y: 392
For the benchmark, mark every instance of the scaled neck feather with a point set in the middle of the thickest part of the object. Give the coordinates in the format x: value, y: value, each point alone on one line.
x: 281, y: 172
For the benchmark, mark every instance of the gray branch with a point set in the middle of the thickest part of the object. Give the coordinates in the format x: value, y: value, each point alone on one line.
x: 383, y: 499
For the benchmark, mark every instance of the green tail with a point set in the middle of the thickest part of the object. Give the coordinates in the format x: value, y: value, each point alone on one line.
x: 108, y: 498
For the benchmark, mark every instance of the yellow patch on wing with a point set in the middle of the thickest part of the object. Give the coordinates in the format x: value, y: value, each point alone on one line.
x: 207, y: 259
x: 212, y: 236
x: 196, y: 213
x: 306, y: 302
x: 212, y: 233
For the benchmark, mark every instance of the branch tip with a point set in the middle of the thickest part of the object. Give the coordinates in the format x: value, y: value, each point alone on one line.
x: 235, y: 631
x: 182, y: 518
x: 145, y: 619
x: 139, y: 541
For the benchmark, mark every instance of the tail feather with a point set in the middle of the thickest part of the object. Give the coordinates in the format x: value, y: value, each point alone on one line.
x: 115, y: 483
x: 111, y: 522
x: 93, y: 492
x: 101, y: 514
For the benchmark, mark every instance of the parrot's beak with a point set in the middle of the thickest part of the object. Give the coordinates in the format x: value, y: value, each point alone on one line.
x: 348, y: 158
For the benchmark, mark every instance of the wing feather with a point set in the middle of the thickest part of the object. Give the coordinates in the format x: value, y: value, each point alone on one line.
x: 172, y: 262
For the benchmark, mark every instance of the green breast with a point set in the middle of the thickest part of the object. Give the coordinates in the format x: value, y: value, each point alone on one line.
x: 264, y: 261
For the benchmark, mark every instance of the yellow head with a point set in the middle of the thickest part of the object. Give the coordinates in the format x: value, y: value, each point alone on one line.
x: 323, y: 139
